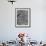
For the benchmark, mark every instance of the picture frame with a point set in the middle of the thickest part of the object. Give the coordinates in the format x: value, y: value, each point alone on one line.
x: 22, y: 17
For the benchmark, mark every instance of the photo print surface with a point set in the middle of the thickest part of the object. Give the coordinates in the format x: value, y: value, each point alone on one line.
x: 22, y: 17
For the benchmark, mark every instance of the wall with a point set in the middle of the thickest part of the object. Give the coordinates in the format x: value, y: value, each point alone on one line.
x: 8, y: 31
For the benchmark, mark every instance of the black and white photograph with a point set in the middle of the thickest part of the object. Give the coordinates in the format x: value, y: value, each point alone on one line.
x: 23, y: 17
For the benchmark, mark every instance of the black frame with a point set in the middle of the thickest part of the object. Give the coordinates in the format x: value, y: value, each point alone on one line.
x: 28, y: 15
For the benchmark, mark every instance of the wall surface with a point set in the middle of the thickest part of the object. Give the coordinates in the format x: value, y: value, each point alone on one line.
x: 8, y: 31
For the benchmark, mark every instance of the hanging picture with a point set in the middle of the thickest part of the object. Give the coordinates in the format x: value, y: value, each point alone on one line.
x: 22, y: 17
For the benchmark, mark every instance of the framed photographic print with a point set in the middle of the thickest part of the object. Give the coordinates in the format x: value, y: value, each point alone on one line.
x: 22, y: 17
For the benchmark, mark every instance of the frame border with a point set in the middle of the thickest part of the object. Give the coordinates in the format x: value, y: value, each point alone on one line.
x: 29, y: 18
